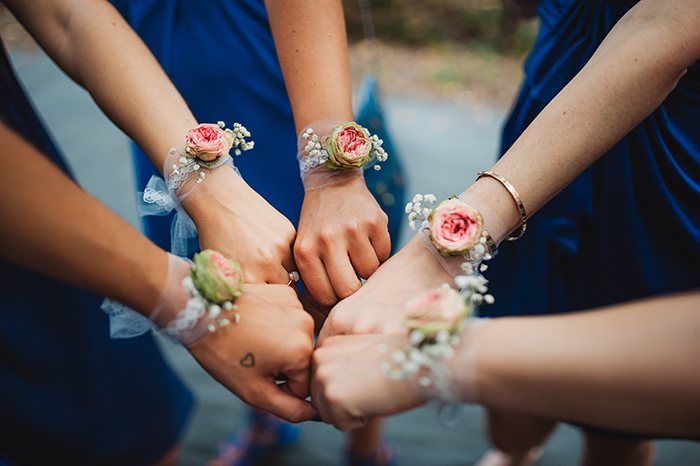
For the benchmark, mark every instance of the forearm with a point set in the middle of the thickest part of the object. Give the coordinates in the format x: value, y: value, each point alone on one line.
x: 53, y: 227
x: 631, y: 73
x: 312, y: 49
x: 629, y: 368
x: 93, y: 44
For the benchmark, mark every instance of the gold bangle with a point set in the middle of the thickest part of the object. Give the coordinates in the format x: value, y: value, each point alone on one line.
x: 516, y: 198
x: 490, y: 243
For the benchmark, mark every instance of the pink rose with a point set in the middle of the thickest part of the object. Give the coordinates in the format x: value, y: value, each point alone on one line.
x: 455, y: 227
x: 348, y: 147
x: 208, y: 142
x: 442, y: 309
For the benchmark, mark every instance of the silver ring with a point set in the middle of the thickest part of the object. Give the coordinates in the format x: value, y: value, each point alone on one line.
x: 293, y: 277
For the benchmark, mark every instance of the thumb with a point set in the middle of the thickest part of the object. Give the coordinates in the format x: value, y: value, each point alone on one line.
x: 281, y: 403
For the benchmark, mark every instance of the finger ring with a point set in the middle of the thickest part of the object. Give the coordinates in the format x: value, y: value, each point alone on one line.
x: 293, y: 277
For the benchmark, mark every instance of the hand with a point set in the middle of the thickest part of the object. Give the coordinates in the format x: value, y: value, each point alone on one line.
x: 342, y: 235
x: 348, y: 385
x: 381, y: 304
x: 240, y: 224
x: 273, y: 341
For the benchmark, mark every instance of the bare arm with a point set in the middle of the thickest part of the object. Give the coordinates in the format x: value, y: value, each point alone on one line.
x: 312, y: 49
x: 93, y: 44
x: 342, y: 230
x: 631, y: 73
x: 629, y: 368
x: 53, y: 227
x: 634, y: 69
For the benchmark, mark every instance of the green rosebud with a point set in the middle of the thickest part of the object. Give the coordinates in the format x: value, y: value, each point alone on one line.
x: 216, y: 278
x: 348, y: 147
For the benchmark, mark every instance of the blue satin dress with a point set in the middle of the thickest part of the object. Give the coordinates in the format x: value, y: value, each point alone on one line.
x: 222, y: 59
x: 629, y: 226
x: 70, y: 395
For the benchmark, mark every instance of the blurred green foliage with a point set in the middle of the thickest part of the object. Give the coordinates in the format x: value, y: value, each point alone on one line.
x: 485, y: 26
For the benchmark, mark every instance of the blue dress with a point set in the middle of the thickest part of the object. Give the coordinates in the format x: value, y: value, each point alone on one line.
x: 629, y: 226
x: 222, y: 59
x: 70, y: 395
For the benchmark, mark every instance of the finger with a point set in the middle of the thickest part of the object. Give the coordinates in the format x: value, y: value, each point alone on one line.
x: 381, y: 242
x: 312, y: 306
x: 288, y: 262
x: 286, y: 406
x: 316, y: 280
x: 363, y: 258
x: 297, y: 387
x: 341, y: 273
x: 328, y: 330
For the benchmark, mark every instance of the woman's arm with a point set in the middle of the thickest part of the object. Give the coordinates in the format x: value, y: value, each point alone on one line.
x: 626, y: 367
x: 342, y: 230
x: 634, y: 69
x: 53, y: 227
x: 93, y: 44
x: 631, y: 73
x: 629, y: 368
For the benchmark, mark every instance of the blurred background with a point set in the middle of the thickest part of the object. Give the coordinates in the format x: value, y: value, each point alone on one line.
x: 448, y: 71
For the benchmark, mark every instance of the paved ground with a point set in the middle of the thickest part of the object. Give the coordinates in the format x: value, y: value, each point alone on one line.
x: 443, y: 145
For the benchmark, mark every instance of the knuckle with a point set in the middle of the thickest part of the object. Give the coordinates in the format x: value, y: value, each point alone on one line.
x: 306, y: 322
x: 266, y: 257
x: 303, y: 250
x: 328, y: 235
x: 353, y: 228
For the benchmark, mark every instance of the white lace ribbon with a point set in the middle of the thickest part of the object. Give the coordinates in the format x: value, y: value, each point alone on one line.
x: 179, y: 313
x: 124, y: 322
x: 158, y: 200
x: 161, y: 197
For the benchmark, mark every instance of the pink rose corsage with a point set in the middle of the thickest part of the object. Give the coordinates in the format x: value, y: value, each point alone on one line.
x: 208, y: 146
x: 455, y: 228
x: 349, y: 146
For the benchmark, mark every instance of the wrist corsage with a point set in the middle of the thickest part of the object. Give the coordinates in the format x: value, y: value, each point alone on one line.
x: 213, y: 285
x: 348, y: 146
x: 208, y: 146
x: 198, y: 297
x: 455, y: 228
x: 435, y: 320
x: 203, y: 154
x: 434, y: 323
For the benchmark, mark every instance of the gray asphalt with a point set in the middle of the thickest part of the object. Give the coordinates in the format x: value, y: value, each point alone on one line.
x: 443, y: 145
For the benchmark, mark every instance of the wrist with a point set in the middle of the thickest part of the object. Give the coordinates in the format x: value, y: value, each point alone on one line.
x: 462, y: 369
x: 334, y: 150
x: 501, y: 215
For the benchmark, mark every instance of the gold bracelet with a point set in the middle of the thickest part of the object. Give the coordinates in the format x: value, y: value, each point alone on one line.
x: 516, y: 198
x: 490, y: 243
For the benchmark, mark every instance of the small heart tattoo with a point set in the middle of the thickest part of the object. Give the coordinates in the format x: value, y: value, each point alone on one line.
x: 248, y: 360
